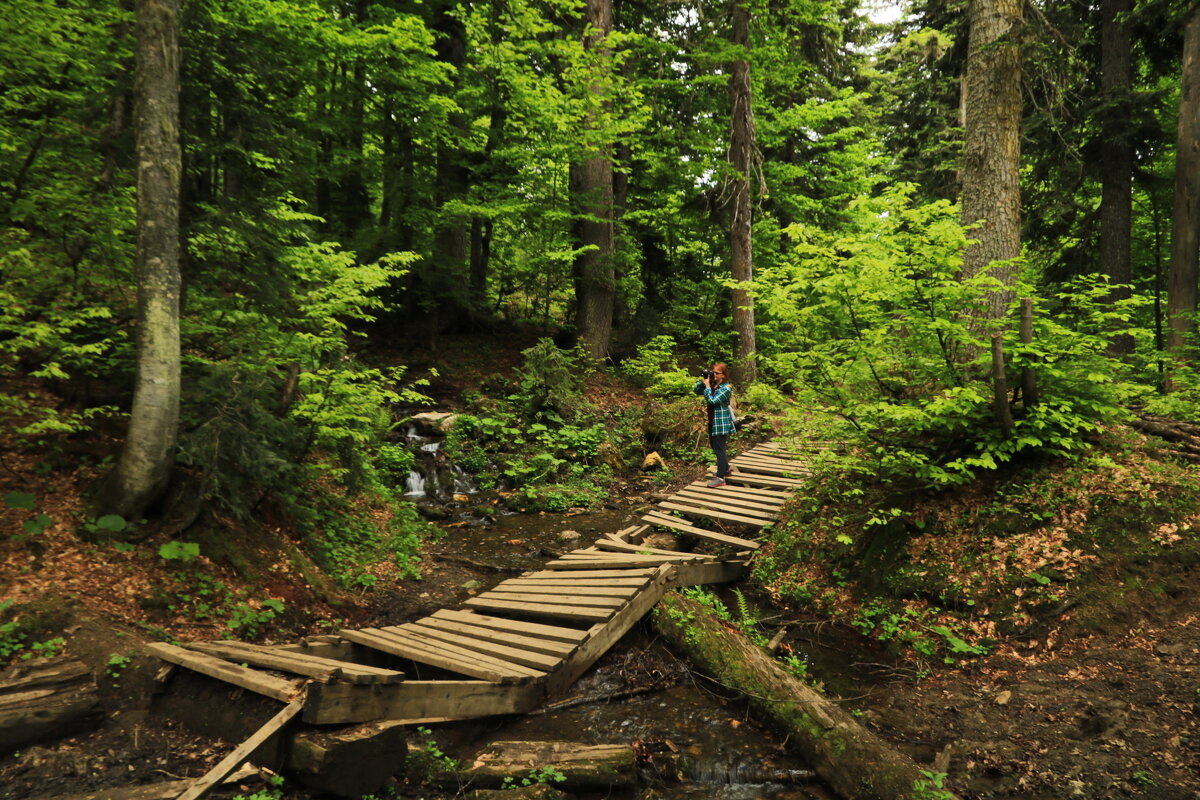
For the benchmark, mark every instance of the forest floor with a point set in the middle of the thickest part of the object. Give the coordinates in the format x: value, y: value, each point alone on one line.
x: 1106, y: 714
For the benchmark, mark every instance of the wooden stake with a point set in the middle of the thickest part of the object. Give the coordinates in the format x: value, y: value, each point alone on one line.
x: 999, y: 387
x: 1029, y: 390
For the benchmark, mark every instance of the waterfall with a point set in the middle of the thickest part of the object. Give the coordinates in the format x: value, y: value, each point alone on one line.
x: 416, y: 484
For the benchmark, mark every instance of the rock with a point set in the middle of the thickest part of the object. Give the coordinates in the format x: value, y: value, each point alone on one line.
x: 471, y: 585
x: 609, y: 455
x: 652, y: 462
x: 568, y: 536
x: 461, y: 498
x: 1003, y: 698
x: 1170, y: 649
x: 434, y: 422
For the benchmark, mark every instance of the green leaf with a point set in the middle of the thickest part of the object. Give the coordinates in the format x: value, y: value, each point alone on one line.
x: 19, y: 500
x: 179, y: 551
x: 111, y: 522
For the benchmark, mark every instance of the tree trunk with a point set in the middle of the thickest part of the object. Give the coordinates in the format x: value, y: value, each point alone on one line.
x: 145, y: 466
x: 856, y: 763
x: 1185, y: 235
x: 1116, y: 156
x: 991, y: 187
x: 741, y: 149
x: 43, y: 700
x: 592, y: 186
x: 449, y: 278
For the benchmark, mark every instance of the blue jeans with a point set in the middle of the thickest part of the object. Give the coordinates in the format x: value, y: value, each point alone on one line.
x: 718, y: 447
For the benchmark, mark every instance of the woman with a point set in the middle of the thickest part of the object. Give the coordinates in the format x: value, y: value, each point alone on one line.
x: 717, y: 394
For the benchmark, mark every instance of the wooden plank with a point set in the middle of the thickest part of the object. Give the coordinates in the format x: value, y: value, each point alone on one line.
x: 760, y: 469
x: 701, y: 574
x: 298, y: 663
x: 606, y: 635
x: 338, y: 703
x: 542, y: 609
x: 556, y: 599
x: 447, y: 650
x: 736, y: 541
x: 252, y: 679
x: 745, y: 519
x: 565, y: 588
x: 640, y: 548
x: 515, y: 655
x: 553, y: 633
x: 750, y: 479
x: 748, y: 491
x: 720, y: 499
x: 471, y: 664
x: 627, y: 558
x: 530, y: 643
x: 573, y: 564
x: 646, y: 573
x: 243, y: 751
x: 571, y: 582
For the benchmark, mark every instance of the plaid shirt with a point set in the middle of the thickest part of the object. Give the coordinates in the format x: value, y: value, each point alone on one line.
x: 720, y: 418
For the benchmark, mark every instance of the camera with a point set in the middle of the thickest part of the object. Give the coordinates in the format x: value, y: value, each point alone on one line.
x: 706, y: 373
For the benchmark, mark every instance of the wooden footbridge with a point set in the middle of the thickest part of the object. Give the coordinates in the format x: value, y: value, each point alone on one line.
x: 508, y: 649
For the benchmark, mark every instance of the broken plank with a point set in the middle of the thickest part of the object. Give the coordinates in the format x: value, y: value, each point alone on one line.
x: 554, y: 633
x: 574, y: 564
x: 252, y: 679
x: 638, y: 548
x: 336, y: 703
x: 747, y: 491
x: 714, y: 536
x: 706, y: 507
x: 574, y: 582
x: 542, y: 609
x: 760, y: 469
x: 298, y: 663
x: 243, y: 751
x: 515, y: 655
x: 745, y: 519
x: 750, y: 479
x: 448, y: 650
x: 472, y: 665
x: 627, y: 558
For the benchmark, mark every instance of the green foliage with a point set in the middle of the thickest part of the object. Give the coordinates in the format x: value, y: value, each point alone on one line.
x: 762, y: 396
x: 878, y: 323
x: 116, y: 664
x: 106, y: 525
x: 426, y: 759
x: 548, y: 774
x: 12, y: 633
x: 246, y: 619
x: 550, y: 380
x: 348, y: 539
x: 273, y: 792
x: 931, y: 786
x: 175, y: 550
x: 656, y: 369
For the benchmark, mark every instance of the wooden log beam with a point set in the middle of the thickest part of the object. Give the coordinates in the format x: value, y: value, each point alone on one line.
x: 252, y: 679
x: 853, y: 761
x: 584, y: 767
x: 297, y: 663
x: 418, y: 701
x: 348, y: 761
x: 674, y: 523
x: 46, y: 700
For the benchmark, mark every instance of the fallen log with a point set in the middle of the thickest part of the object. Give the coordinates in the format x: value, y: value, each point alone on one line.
x: 167, y: 790
x: 575, y: 765
x: 348, y: 761
x: 42, y: 700
x: 855, y: 763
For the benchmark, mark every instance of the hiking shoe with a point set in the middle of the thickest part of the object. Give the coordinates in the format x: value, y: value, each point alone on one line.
x: 715, y: 482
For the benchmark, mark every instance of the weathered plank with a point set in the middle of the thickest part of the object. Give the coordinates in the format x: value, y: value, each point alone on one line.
x: 418, y: 701
x: 603, y: 636
x: 46, y: 700
x: 556, y: 599
x: 471, y: 664
x: 732, y: 502
x: 529, y: 643
x: 298, y: 663
x: 564, y: 588
x: 572, y: 581
x: 252, y: 679
x: 643, y: 572
x: 638, y: 548
x: 745, y: 478
x: 656, y: 518
x: 548, y: 610
x: 700, y: 574
x: 348, y: 761
x: 627, y: 558
x: 515, y: 655
x: 762, y: 469
x: 166, y: 790
x: 243, y: 751
x: 553, y: 633
x: 745, y: 519
x: 747, y: 491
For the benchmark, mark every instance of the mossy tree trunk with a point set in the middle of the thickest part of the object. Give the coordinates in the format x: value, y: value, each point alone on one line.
x: 855, y: 763
x: 144, y: 470
x: 741, y: 151
x: 1185, y: 237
